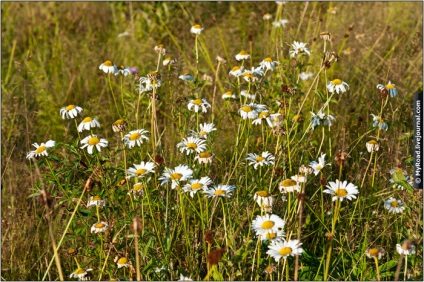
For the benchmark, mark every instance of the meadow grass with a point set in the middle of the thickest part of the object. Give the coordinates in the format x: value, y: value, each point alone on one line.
x: 51, y: 53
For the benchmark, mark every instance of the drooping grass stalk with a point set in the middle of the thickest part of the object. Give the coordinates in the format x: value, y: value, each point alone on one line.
x: 113, y: 96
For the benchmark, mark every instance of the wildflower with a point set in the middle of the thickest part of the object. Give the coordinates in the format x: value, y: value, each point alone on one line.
x: 288, y: 185
x: 372, y: 146
x: 264, y: 200
x: 237, y: 71
x: 267, y: 16
x: 375, y: 253
x: 299, y: 178
x: 195, y: 185
x: 80, y: 273
x: 406, y: 249
x: 264, y: 159
x: 221, y: 60
x: 251, y: 111
x: 135, y: 137
x: 219, y: 190
x: 394, y: 206
x: 96, y: 201
x: 325, y: 35
x: 267, y: 223
x: 243, y: 55
x: 271, y: 119
x: 191, y: 145
x: 337, y: 85
x: 184, y: 278
x: 270, y: 269
x: 318, y: 166
x: 72, y: 252
x: 306, y: 170
x: 298, y: 48
x: 70, y: 111
x: 186, y: 76
x: 378, y: 121
x: 160, y: 49
x: 176, y: 175
x: 389, y: 87
x: 228, y: 95
x: 122, y: 70
x: 247, y: 95
x: 99, y: 227
x: 134, y: 70
x: 88, y: 123
x: 108, y: 67
x: 256, y: 71
x: 141, y: 170
x: 119, y: 125
x: 40, y: 150
x: 205, y: 129
x: 321, y: 117
x: 196, y: 29
x: 284, y: 249
x: 152, y: 80
x: 273, y: 236
x: 280, y: 23
x: 168, y: 61
x: 332, y: 10
x: 341, y: 190
x: 205, y: 157
x: 92, y: 141
x: 249, y: 77
x: 306, y: 75
x: 137, y: 190
x: 122, y: 262
x: 197, y: 104
x: 268, y: 64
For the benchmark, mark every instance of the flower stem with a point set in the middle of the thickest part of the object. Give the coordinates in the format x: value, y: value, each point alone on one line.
x: 113, y: 96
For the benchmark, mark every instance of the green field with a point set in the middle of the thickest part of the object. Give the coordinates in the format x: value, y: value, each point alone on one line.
x: 169, y: 195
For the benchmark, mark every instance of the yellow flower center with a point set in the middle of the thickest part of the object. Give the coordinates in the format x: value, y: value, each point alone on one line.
x: 271, y: 235
x: 97, y: 198
x: 340, y: 192
x: 99, y: 225
x: 373, y: 252
x: 285, y: 251
x: 269, y: 60
x: 79, y: 271
x: 108, y: 63
x: 175, y: 176
x: 202, y: 132
x: 228, y: 93
x: 93, y: 141
x: 373, y: 142
x: 399, y: 170
x: 40, y: 149
x: 72, y: 251
x: 264, y: 115
x: 268, y: 224
x: 390, y: 86
x: 167, y: 59
x: 70, y: 107
x: 137, y: 186
x: 122, y: 261
x: 219, y: 192
x: 262, y: 194
x: 205, y: 155
x: 243, y: 53
x: 380, y: 120
x: 296, y: 117
x: 288, y: 183
x: 246, y: 109
x: 191, y: 146
x: 140, y: 171
x: 236, y: 68
x: 135, y: 136
x: 119, y: 121
x: 197, y: 102
x: 197, y: 26
x: 87, y: 119
x: 160, y: 46
x: 336, y: 82
x: 260, y: 159
x: 319, y: 167
x: 394, y: 204
x: 196, y: 186
x: 246, y: 74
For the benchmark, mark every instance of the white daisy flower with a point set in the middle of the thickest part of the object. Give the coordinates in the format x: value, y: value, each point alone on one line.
x: 251, y: 111
x: 389, y: 87
x: 288, y: 186
x: 406, y: 249
x: 141, y: 170
x: 249, y: 77
x: 197, y: 104
x: 267, y: 16
x: 265, y: 158
x: 318, y: 166
x: 88, y: 123
x: 236, y: 71
x: 379, y: 122
x: 96, y: 201
x: 195, y: 185
x: 245, y: 94
x: 186, y: 76
x: 268, y: 64
x: 152, y: 80
x: 70, y: 111
x: 299, y: 178
x: 122, y: 262
x: 264, y: 200
x: 394, y: 206
x: 137, y: 190
x: 168, y: 61
x: 298, y: 48
x: 321, y: 117
x: 375, y: 253
x: 271, y: 119
x: 92, y: 141
x: 107, y: 67
x: 204, y: 158
x: 243, y: 55
x: 176, y: 175
x: 228, y: 95
x: 40, y: 150
x: 99, y: 227
x: 122, y: 70
x: 160, y: 49
x: 341, y: 190
x: 284, y: 249
x: 219, y: 191
x: 305, y: 75
x: 192, y: 144
x: 135, y: 137
x: 196, y: 29
x: 372, y: 146
x: 280, y: 23
x: 267, y: 223
x: 185, y: 278
x: 80, y: 273
x: 205, y: 129
x: 273, y: 236
x: 337, y: 85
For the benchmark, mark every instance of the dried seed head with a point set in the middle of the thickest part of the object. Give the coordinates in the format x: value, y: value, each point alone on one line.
x: 327, y: 64
x: 209, y: 237
x: 340, y: 158
x: 323, y: 181
x: 215, y: 256
x: 137, y: 225
x: 328, y: 235
x: 71, y: 252
x: 159, y: 160
x: 221, y: 60
x: 284, y: 88
x: 160, y: 49
x: 301, y: 197
x: 384, y: 93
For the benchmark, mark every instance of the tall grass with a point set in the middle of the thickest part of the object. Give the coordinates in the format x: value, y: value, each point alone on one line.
x: 51, y: 54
